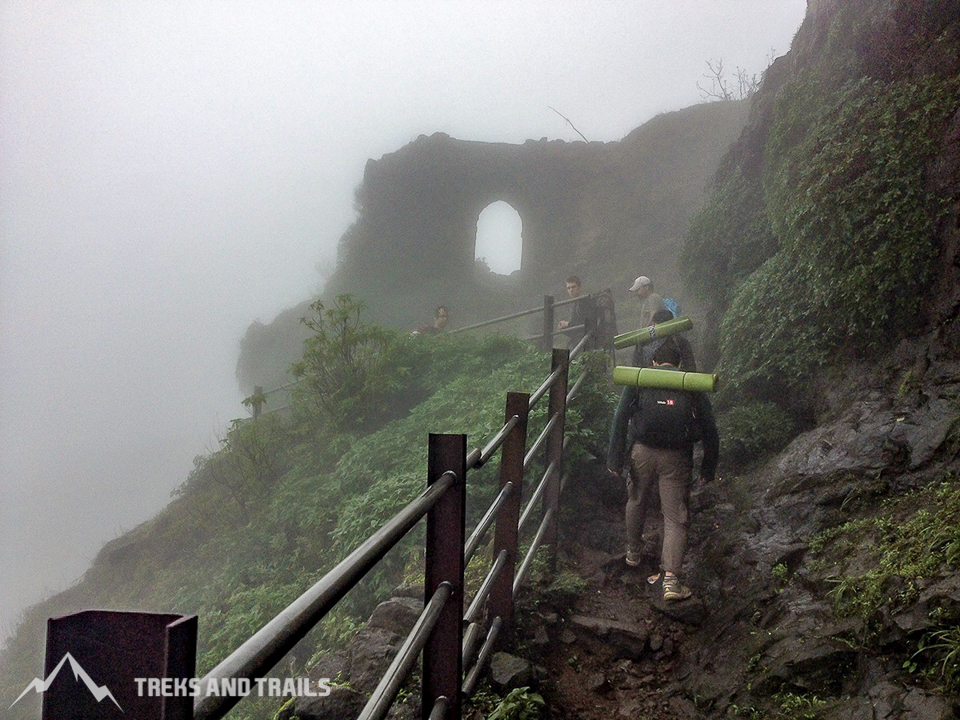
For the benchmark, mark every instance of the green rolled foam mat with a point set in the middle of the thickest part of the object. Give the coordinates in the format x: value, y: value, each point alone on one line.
x: 666, y: 379
x: 649, y: 334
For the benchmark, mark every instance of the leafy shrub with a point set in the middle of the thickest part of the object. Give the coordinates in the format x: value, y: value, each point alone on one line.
x: 848, y: 204
x: 728, y: 239
x: 345, y: 368
x: 751, y: 431
x: 519, y: 704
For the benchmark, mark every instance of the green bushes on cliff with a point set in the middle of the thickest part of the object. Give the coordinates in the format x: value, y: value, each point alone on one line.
x: 836, y: 256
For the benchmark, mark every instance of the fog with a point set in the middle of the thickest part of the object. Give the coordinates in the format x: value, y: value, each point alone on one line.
x: 172, y: 171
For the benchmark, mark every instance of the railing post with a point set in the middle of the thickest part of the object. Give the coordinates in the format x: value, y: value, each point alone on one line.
x: 547, y: 323
x: 554, y: 450
x: 590, y: 322
x: 257, y: 401
x: 111, y: 650
x: 508, y: 517
x: 442, y: 662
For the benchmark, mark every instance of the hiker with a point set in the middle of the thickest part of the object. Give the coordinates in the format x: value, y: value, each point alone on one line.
x: 667, y: 425
x: 643, y: 354
x: 440, y: 319
x: 650, y: 302
x: 577, y: 314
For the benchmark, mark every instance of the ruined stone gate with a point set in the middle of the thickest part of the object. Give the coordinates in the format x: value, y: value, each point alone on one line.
x: 416, y: 235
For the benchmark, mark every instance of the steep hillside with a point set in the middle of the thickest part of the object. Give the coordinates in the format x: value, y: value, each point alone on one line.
x: 288, y: 496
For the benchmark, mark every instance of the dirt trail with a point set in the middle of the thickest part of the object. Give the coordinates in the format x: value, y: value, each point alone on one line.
x: 612, y: 651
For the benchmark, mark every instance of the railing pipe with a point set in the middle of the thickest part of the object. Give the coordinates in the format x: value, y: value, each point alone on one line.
x: 554, y: 450
x: 497, y: 440
x: 576, y: 386
x: 488, y: 645
x: 541, y: 438
x: 473, y: 542
x: 386, y: 691
x: 480, y: 598
x: 542, y: 390
x: 440, y: 708
x: 473, y: 459
x: 532, y: 503
x: 534, y: 546
x: 513, y: 316
x: 578, y: 348
x: 469, y: 640
x: 255, y: 657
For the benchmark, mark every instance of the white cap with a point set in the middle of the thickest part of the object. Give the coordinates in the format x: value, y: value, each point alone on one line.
x: 640, y: 282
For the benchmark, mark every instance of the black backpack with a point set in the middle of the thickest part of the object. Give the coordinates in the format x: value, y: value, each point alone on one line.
x: 664, y: 418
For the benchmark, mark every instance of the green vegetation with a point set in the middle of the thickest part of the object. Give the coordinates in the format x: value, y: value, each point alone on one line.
x: 855, y: 222
x: 912, y: 541
x: 519, y: 704
x: 823, y: 249
x: 787, y: 705
x: 913, y: 538
x: 286, y: 497
x: 752, y: 430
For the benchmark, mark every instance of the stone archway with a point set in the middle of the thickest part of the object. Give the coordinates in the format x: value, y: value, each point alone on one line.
x: 416, y: 235
x: 499, y: 238
x: 604, y: 211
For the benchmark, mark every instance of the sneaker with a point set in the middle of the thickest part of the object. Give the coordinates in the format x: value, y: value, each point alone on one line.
x: 633, y: 558
x: 673, y: 590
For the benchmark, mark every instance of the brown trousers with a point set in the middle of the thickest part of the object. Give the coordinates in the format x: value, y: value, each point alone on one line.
x: 671, y: 472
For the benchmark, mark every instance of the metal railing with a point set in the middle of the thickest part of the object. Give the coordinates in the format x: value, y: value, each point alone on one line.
x: 446, y: 636
x: 489, y: 617
x: 544, y: 340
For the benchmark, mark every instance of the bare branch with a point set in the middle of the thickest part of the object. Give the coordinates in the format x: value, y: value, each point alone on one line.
x: 569, y: 123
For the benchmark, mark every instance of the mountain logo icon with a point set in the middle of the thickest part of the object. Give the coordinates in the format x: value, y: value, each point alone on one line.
x: 98, y: 691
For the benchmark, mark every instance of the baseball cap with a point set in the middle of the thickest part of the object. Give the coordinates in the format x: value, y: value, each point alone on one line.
x: 639, y: 283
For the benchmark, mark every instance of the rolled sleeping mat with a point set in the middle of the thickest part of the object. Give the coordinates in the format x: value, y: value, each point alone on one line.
x: 649, y: 334
x: 666, y: 379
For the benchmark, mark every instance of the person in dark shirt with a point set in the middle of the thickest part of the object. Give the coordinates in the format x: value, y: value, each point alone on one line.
x: 440, y: 319
x: 577, y: 315
x: 661, y: 457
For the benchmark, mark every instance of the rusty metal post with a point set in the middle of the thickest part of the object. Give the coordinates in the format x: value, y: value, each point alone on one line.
x: 590, y: 322
x: 547, y: 341
x: 554, y: 451
x: 442, y: 662
x: 506, y: 533
x: 99, y: 664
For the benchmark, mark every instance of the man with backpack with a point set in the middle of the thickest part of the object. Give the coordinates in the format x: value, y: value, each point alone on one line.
x: 650, y: 302
x: 667, y: 424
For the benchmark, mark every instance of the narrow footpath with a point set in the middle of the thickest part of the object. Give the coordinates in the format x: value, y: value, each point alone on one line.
x: 614, y: 648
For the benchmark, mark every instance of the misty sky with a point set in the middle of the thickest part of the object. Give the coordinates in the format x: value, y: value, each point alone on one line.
x: 172, y: 171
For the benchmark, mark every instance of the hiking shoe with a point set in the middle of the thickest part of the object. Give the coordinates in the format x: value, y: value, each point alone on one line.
x: 633, y: 558
x: 673, y: 590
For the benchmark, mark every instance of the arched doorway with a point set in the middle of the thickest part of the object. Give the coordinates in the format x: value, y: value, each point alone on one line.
x: 499, y: 246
